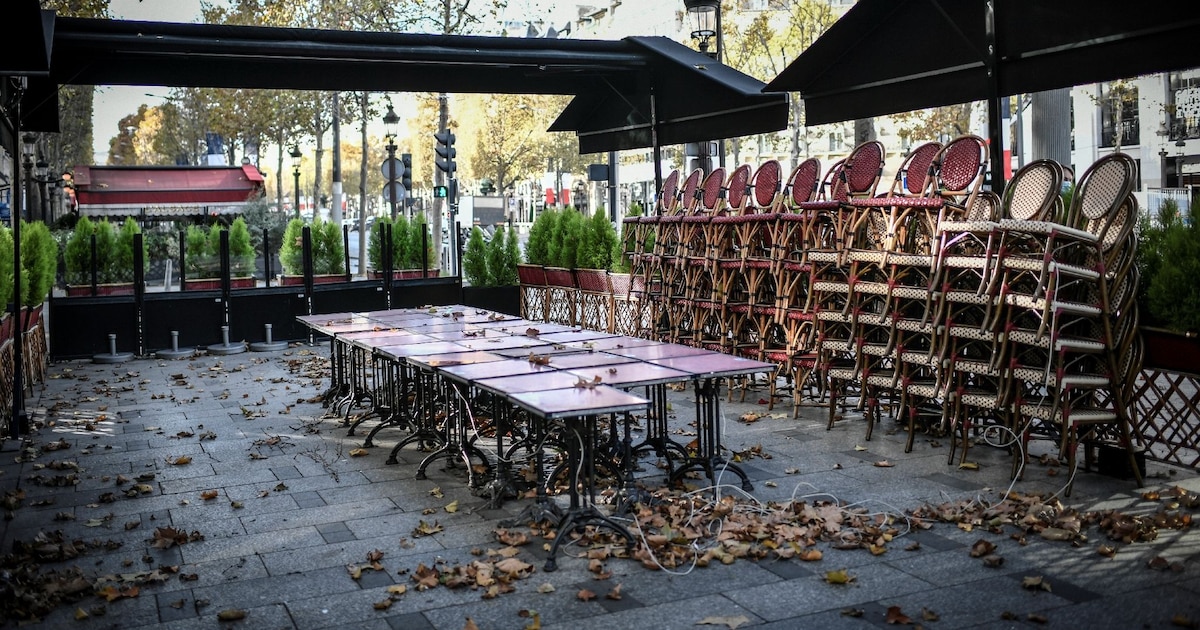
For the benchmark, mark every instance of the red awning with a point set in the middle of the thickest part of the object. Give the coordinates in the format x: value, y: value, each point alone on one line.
x: 165, y: 190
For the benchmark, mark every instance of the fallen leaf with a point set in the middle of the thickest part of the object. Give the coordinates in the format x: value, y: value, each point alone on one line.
x: 452, y: 507
x: 859, y: 448
x: 929, y: 615
x: 791, y: 471
x: 545, y: 588
x: 982, y: 548
x: 1107, y: 551
x: 839, y: 576
x: 470, y: 625
x: 993, y: 561
x: 209, y: 495
x: 1037, y: 618
x: 968, y: 466
x: 614, y: 594
x: 436, y: 492
x: 1056, y: 533
x: 1035, y: 583
x: 852, y: 612
x: 358, y: 452
x: 179, y: 461
x: 884, y: 464
x: 585, y: 595
x: 896, y: 617
x: 383, y: 605
x: 733, y: 623
x: 231, y: 614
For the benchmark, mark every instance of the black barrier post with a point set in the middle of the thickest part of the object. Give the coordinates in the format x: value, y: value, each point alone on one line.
x: 307, y: 258
x: 225, y: 272
x: 267, y: 270
x: 424, y: 253
x: 385, y: 249
x: 182, y: 260
x: 139, y: 291
x: 346, y: 250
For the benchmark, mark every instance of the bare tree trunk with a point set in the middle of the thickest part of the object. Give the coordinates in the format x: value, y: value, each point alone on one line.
x: 1052, y: 125
x: 279, y: 171
x: 797, y: 112
x: 362, y: 189
x: 864, y: 130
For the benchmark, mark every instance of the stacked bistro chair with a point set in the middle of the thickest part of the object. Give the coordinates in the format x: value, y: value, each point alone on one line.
x: 561, y: 294
x: 533, y: 292
x: 680, y: 268
x: 832, y: 231
x: 595, y: 298
x: 643, y: 253
x: 1067, y: 290
x: 671, y: 291
x: 790, y: 243
x: 747, y: 265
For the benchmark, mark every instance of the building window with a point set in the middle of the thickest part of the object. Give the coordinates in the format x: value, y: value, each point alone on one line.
x: 1118, y: 114
x: 833, y: 142
x: 1183, y: 110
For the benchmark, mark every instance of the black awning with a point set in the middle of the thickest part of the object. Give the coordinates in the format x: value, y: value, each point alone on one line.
x: 888, y: 56
x: 31, y: 55
x: 110, y: 52
x: 695, y: 98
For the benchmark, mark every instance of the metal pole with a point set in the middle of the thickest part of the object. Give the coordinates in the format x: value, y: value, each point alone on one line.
x: 296, y: 176
x: 996, y: 135
x: 19, y: 418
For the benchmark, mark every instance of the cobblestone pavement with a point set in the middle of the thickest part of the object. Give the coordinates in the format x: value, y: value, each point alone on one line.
x: 160, y: 494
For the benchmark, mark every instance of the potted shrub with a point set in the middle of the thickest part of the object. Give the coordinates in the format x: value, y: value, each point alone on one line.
x: 1169, y: 262
x: 6, y: 282
x: 204, y: 257
x: 415, y: 257
x: 475, y: 260
x: 328, y: 254
x: 78, y: 260
x: 375, y: 245
x: 39, y: 264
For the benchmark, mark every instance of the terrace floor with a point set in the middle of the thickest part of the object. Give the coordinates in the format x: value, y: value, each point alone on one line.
x: 172, y: 493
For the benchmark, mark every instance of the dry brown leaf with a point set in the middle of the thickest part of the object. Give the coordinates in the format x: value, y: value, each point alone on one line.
x: 182, y: 460
x: 615, y: 593
x: 883, y: 463
x: 896, y: 617
x: 585, y: 595
x: 209, y: 495
x: 839, y: 576
x: 733, y: 623
x: 231, y: 614
x: 383, y: 604
x: 982, y: 548
x: 358, y: 452
x: 470, y: 625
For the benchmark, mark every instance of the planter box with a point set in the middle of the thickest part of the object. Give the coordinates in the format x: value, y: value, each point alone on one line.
x: 1171, y: 351
x: 119, y: 288
x: 214, y: 284
x: 294, y: 281
x: 405, y: 274
x: 500, y: 299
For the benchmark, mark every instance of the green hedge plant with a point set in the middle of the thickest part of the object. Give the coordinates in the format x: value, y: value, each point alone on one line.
x: 474, y: 262
x: 6, y: 269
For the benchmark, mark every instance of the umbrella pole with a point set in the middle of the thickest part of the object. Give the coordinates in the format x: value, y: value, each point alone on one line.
x: 656, y: 153
x: 995, y: 133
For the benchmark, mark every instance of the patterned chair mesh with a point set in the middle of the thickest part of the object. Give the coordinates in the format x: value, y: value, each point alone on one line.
x: 595, y: 299
x: 561, y: 296
x: 533, y: 292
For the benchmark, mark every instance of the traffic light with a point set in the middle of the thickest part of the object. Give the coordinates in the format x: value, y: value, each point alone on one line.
x: 486, y: 187
x: 406, y: 170
x: 445, y: 152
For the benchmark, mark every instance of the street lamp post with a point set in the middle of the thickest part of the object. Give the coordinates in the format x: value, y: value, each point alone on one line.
x: 390, y: 120
x: 706, y: 25
x: 296, y: 155
x: 1179, y: 144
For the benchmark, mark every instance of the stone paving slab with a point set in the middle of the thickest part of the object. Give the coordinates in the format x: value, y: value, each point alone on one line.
x: 309, y: 507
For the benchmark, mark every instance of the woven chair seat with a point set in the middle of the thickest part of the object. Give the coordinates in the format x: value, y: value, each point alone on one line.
x: 910, y: 293
x: 835, y: 316
x: 1058, y: 306
x: 793, y: 266
x: 982, y: 399
x: 820, y: 205
x: 910, y: 260
x: 875, y: 349
x: 1047, y: 227
x: 922, y: 389
x: 799, y: 315
x: 914, y: 325
x: 889, y: 379
x: 762, y: 217
x: 696, y: 218
x: 970, y: 332
x: 831, y: 287
x: 758, y: 263
x: 843, y: 374
x: 794, y: 216
x: 866, y: 255
x: 1050, y: 379
x: 967, y: 297
x: 976, y: 367
x: 670, y: 218
x: 739, y: 309
x: 958, y: 227
x: 824, y: 256
x: 918, y: 358
x: 966, y: 262
x: 1049, y: 411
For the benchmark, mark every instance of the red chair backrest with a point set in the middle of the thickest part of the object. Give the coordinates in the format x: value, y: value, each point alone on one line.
x: 766, y: 183
x: 710, y: 192
x: 802, y: 185
x: 863, y: 167
x: 739, y: 188
x: 834, y: 186
x: 668, y: 197
x: 688, y: 199
x: 961, y: 164
x: 916, y: 174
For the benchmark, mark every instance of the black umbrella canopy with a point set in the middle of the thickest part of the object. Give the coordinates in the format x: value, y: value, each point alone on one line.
x: 888, y: 56
x: 686, y: 97
x: 696, y: 97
